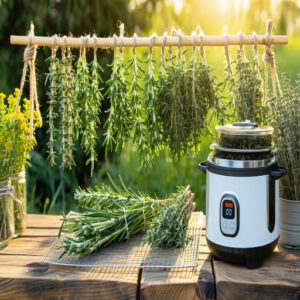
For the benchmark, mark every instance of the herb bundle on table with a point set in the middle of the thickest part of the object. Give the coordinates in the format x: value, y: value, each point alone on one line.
x: 116, y: 213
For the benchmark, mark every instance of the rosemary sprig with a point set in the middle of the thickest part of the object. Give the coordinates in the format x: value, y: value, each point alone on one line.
x: 81, y: 92
x: 92, y: 110
x: 151, y: 104
x: 118, y: 124
x: 135, y: 94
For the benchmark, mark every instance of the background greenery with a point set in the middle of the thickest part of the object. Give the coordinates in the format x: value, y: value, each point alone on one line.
x: 50, y: 190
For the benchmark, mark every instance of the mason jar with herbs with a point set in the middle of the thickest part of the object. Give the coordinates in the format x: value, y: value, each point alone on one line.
x: 7, y: 222
x: 18, y: 182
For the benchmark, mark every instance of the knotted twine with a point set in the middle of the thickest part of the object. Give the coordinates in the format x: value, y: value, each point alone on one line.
x: 227, y: 55
x: 29, y: 63
x: 269, y: 59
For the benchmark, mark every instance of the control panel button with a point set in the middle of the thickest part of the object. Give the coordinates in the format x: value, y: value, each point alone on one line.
x: 229, y: 215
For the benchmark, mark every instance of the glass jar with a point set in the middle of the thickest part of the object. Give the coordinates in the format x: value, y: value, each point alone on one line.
x: 7, y: 220
x: 18, y: 183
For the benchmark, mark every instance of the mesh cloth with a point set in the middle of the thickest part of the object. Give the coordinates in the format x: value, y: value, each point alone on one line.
x: 133, y: 253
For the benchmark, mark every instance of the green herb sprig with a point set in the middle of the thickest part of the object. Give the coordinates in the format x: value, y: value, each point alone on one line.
x: 169, y: 227
x: 92, y: 112
x: 118, y: 123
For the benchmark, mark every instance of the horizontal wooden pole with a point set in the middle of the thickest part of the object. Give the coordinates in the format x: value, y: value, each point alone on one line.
x: 110, y: 42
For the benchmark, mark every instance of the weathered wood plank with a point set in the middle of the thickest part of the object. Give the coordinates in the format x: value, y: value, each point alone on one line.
x: 28, y: 246
x: 279, y: 278
x: 23, y: 277
x: 40, y: 232
x: 35, y: 282
x: 43, y: 221
x: 181, y: 283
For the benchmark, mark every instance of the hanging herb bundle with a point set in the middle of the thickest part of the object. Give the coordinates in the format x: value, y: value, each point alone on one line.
x: 110, y: 213
x: 248, y: 89
x: 205, y: 96
x: 151, y: 104
x: 52, y: 114
x: 137, y: 108
x: 118, y: 124
x: 169, y: 227
x: 186, y: 93
x: 92, y: 112
x: 66, y: 88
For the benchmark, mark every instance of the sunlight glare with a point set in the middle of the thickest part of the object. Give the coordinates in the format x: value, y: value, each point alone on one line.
x: 225, y: 5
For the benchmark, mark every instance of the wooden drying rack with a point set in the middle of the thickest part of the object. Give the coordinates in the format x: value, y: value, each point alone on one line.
x: 155, y: 41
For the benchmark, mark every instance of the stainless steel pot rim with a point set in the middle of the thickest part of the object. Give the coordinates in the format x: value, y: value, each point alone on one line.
x: 230, y: 163
x: 218, y: 147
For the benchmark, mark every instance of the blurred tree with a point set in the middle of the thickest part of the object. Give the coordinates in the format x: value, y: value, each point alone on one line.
x: 60, y: 16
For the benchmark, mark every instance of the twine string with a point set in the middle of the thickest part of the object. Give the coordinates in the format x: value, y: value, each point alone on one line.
x: 115, y: 42
x: 126, y: 224
x: 163, y: 49
x: 152, y: 40
x: 29, y: 58
x: 241, y: 37
x: 202, y: 51
x: 269, y: 59
x: 226, y: 50
x: 134, y: 44
x: 179, y: 35
x: 144, y: 216
x: 95, y: 46
x: 121, y: 27
x: 194, y: 42
x: 9, y: 191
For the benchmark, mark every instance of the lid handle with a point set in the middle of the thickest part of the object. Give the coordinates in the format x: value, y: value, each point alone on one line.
x: 246, y: 123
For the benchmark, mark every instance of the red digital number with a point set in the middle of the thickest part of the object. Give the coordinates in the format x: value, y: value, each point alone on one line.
x: 228, y: 204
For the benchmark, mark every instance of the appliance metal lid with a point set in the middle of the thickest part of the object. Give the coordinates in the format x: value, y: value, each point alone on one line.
x: 229, y: 163
x: 244, y: 128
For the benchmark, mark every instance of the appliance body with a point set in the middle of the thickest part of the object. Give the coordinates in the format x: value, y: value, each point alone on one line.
x: 242, y: 204
x: 242, y: 213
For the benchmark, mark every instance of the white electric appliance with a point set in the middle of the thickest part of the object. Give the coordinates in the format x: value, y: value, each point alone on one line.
x: 242, y: 194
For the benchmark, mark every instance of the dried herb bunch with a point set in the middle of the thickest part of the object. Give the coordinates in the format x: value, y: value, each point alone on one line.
x: 186, y: 93
x: 92, y: 112
x: 151, y: 104
x: 110, y: 213
x: 169, y: 227
x: 118, y: 124
x: 52, y: 113
x: 135, y: 96
x: 66, y: 89
x: 285, y: 118
x: 247, y: 90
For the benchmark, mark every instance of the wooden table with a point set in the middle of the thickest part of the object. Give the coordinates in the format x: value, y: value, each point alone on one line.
x: 23, y: 277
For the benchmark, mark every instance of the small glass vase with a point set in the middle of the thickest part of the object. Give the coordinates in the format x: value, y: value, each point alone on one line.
x: 7, y: 220
x: 18, y: 183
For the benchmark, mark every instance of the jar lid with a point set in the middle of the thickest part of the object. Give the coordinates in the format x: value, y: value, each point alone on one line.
x: 244, y: 128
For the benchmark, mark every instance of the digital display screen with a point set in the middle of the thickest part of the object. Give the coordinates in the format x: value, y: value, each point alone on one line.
x: 228, y: 209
